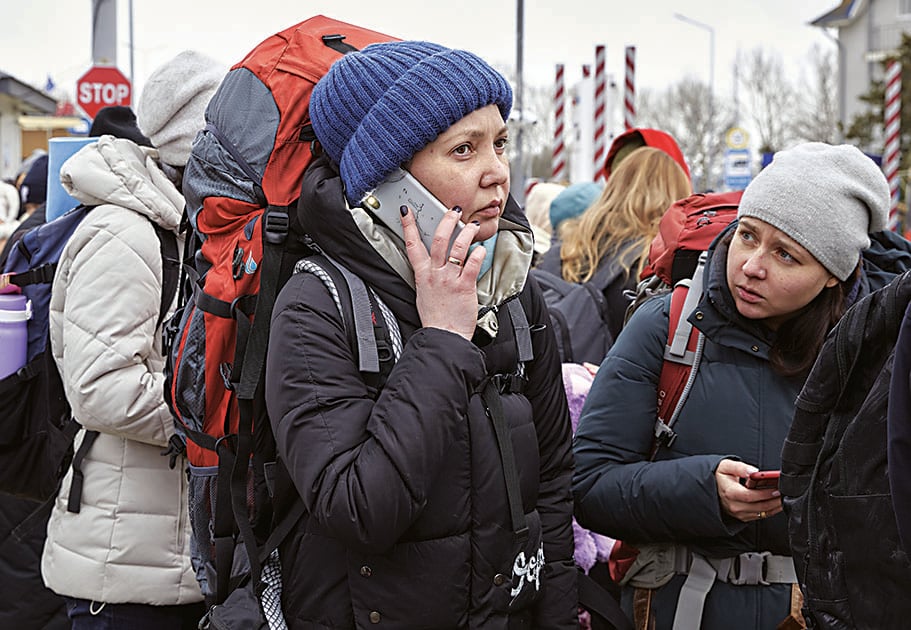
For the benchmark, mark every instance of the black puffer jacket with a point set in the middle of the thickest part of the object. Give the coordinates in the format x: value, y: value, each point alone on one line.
x: 407, y: 522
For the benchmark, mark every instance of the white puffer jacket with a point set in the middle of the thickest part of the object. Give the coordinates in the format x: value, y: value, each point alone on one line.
x: 131, y: 540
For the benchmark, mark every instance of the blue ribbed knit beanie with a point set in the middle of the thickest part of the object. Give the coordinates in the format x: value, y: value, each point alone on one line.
x: 376, y: 108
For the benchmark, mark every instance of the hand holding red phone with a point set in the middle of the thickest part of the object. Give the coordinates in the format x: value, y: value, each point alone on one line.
x: 763, y: 479
x: 741, y: 502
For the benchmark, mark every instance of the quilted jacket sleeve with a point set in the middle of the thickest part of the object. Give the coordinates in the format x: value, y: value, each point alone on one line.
x: 105, y: 303
x: 557, y: 609
x: 617, y: 491
x: 363, y: 468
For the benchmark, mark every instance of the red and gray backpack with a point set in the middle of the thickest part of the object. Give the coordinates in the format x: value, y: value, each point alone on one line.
x: 242, y: 185
x: 676, y: 261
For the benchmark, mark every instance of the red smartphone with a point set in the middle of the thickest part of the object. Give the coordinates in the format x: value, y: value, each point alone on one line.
x: 763, y: 479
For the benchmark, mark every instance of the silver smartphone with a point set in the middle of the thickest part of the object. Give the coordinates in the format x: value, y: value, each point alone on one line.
x: 402, y: 189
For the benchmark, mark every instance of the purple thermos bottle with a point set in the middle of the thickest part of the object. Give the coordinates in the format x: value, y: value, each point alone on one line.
x: 15, y: 311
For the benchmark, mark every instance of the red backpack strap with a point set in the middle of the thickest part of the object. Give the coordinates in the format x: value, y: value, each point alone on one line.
x: 682, y: 355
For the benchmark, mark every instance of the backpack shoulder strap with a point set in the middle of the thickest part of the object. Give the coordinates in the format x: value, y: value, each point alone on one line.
x: 372, y: 330
x: 522, y: 330
x: 170, y: 270
x: 46, y: 239
x: 170, y: 262
x: 682, y: 356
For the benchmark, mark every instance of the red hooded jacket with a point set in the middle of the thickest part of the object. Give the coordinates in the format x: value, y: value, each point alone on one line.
x: 645, y: 137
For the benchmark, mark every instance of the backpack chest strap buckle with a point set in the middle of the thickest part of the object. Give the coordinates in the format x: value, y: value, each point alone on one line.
x: 748, y: 569
x: 276, y: 224
x: 508, y: 383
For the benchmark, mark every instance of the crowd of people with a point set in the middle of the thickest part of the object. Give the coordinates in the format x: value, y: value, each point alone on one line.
x: 407, y: 520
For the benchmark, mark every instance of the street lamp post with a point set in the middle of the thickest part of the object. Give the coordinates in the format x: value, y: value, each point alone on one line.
x: 519, y: 173
x: 711, y: 31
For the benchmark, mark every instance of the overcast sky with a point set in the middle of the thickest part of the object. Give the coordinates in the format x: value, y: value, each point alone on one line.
x: 53, y: 37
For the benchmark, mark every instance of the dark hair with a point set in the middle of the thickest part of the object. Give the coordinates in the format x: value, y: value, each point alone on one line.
x: 800, y: 338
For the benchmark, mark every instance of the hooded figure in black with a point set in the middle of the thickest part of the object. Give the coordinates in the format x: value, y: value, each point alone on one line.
x: 408, y: 519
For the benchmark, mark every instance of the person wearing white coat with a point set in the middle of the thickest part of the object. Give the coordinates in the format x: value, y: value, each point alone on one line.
x: 123, y: 560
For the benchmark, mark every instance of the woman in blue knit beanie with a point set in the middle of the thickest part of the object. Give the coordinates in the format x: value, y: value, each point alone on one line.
x: 440, y: 499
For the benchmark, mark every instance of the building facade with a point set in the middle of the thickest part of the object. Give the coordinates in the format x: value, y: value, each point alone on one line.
x: 867, y: 31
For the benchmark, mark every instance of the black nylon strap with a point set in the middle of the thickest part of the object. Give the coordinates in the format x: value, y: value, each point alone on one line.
x: 240, y: 348
x: 255, y: 354
x: 75, y: 499
x: 38, y: 517
x: 170, y: 270
x: 281, y: 530
x: 221, y: 308
x: 596, y: 599
x: 41, y: 274
x: 223, y: 521
x: 239, y: 475
x: 337, y: 43
x: 253, y: 361
x: 201, y: 439
x: 508, y: 459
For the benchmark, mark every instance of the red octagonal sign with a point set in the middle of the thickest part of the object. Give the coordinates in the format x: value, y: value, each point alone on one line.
x: 102, y: 86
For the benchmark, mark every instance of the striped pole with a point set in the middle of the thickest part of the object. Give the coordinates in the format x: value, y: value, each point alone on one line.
x: 629, y: 93
x: 600, y: 85
x: 892, y: 156
x: 558, y: 161
x: 579, y: 163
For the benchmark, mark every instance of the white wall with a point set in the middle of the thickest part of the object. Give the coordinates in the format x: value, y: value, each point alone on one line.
x: 10, y: 141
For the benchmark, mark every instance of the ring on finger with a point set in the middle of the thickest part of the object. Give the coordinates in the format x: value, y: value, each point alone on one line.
x: 762, y: 514
x: 455, y: 261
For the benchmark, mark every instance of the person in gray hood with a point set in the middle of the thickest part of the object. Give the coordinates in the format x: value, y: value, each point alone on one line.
x: 714, y: 553
x: 121, y: 556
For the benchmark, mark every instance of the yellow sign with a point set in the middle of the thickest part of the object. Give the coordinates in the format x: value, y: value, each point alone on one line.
x: 737, y: 138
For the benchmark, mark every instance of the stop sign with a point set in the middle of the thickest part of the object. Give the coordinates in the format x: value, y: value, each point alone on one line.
x: 102, y: 86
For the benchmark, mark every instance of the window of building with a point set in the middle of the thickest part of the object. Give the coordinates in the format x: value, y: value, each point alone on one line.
x: 904, y: 8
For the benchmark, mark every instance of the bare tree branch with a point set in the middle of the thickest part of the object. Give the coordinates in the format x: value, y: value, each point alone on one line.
x: 770, y: 97
x: 685, y: 111
x: 817, y: 112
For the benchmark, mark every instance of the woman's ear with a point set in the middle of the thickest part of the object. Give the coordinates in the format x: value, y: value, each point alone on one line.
x: 831, y: 282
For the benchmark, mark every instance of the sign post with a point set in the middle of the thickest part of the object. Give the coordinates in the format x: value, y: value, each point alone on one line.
x: 738, y: 171
x: 102, y: 86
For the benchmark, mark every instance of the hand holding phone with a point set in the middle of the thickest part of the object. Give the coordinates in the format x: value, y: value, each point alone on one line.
x: 763, y: 479
x: 400, y: 188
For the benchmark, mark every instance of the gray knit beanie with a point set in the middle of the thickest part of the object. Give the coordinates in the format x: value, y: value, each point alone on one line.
x: 172, y: 107
x: 376, y: 108
x: 827, y: 198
